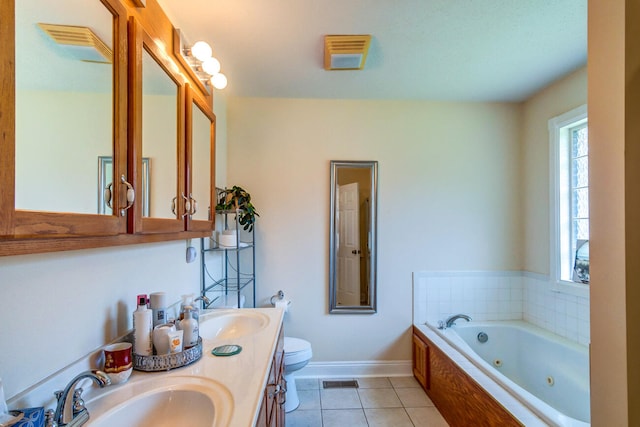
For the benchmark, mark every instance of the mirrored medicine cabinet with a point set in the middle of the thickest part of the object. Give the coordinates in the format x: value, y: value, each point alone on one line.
x: 100, y: 149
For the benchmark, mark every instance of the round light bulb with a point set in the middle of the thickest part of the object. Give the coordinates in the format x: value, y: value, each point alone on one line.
x: 211, y: 66
x: 219, y: 81
x: 201, y: 50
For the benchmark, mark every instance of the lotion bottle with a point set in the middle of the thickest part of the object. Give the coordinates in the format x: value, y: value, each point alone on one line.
x: 142, y: 328
x: 190, y: 328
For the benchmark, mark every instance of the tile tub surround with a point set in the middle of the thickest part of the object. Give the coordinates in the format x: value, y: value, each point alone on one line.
x: 246, y: 386
x: 563, y: 314
x: 379, y: 401
x: 481, y: 295
x: 500, y: 295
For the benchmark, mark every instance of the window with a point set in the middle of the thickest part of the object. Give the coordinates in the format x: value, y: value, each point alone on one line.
x: 570, y: 201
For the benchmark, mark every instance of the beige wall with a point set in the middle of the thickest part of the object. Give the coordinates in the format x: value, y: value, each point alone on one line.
x: 562, y: 96
x: 56, y: 308
x: 448, y: 200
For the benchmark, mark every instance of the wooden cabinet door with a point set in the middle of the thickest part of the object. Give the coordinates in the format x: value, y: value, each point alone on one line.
x: 156, y: 131
x: 282, y: 397
x: 272, y: 408
x: 200, y: 162
x: 420, y: 361
x: 55, y: 128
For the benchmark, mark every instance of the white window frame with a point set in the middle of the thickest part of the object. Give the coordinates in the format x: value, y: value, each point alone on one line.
x: 559, y: 140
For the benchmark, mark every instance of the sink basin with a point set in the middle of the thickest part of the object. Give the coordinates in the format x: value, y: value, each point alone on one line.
x: 229, y: 325
x: 165, y: 401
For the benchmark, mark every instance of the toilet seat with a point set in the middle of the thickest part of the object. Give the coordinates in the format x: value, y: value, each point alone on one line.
x: 296, y: 350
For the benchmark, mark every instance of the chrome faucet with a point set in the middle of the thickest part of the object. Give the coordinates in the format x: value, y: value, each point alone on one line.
x: 78, y: 414
x: 451, y: 320
x: 206, y: 302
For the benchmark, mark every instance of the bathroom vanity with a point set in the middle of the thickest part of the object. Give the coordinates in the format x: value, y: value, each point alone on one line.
x: 245, y: 389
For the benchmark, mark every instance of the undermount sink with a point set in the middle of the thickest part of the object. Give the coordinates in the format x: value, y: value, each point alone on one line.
x: 163, y: 401
x: 231, y: 324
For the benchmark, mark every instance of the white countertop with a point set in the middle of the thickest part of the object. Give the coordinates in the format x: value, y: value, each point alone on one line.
x: 245, y: 374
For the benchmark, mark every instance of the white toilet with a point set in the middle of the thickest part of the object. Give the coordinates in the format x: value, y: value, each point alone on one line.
x: 297, y: 353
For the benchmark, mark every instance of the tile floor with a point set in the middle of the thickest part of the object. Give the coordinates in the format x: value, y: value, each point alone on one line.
x: 378, y: 402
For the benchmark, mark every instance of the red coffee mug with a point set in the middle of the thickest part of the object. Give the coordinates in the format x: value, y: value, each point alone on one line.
x: 117, y: 358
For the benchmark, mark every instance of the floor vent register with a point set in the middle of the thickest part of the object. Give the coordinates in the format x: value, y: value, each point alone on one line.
x: 340, y: 384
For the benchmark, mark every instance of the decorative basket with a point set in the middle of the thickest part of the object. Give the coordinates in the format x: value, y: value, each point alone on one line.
x: 165, y: 362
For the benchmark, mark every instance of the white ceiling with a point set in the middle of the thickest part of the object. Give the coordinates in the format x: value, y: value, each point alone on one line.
x: 476, y: 50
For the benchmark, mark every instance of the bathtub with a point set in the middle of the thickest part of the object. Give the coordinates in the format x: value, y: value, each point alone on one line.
x: 547, y: 373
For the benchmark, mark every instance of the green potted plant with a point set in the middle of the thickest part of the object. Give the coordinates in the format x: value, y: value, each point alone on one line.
x: 237, y: 199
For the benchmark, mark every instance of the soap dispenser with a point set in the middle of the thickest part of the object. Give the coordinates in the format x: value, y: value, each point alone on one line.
x: 188, y: 300
x: 190, y: 328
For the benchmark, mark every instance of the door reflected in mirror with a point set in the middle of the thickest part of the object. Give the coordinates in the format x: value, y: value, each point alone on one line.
x: 64, y: 105
x: 160, y: 135
x: 352, y: 256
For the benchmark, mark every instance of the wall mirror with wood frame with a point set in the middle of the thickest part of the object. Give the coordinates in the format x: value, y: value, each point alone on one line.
x: 70, y: 109
x: 157, y: 106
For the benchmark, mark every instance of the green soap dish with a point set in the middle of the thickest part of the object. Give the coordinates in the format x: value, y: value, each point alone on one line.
x: 226, y: 350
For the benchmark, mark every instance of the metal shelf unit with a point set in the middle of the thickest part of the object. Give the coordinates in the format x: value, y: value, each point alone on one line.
x: 236, y: 272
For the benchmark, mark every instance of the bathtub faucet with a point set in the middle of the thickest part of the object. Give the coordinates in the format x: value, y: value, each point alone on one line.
x: 452, y: 319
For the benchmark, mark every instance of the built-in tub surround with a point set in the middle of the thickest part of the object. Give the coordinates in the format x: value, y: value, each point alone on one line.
x: 244, y: 375
x: 500, y: 295
x: 548, y: 373
x: 490, y: 296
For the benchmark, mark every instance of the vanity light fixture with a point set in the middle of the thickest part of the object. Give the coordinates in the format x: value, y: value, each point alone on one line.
x: 206, y: 68
x: 79, y: 42
x: 346, y: 52
x: 201, y: 50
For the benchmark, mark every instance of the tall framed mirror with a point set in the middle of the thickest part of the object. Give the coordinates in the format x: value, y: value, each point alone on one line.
x: 352, y: 239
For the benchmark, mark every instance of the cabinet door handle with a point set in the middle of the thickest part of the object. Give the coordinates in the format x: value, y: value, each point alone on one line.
x: 194, y: 205
x: 276, y: 390
x: 283, y: 392
x: 131, y: 195
x: 187, y: 205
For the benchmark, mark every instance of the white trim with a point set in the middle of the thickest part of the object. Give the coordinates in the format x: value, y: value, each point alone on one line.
x: 555, y: 124
x: 353, y: 369
x: 470, y: 273
x: 536, y: 276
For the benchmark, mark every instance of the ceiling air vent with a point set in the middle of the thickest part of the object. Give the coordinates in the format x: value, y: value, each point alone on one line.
x: 80, y: 42
x: 345, y: 52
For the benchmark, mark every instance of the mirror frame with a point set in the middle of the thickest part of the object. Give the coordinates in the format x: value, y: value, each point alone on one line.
x: 141, y: 41
x: 51, y: 224
x: 194, y: 100
x: 371, y: 308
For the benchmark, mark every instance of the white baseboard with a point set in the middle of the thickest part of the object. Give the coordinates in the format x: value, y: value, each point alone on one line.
x: 353, y: 369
